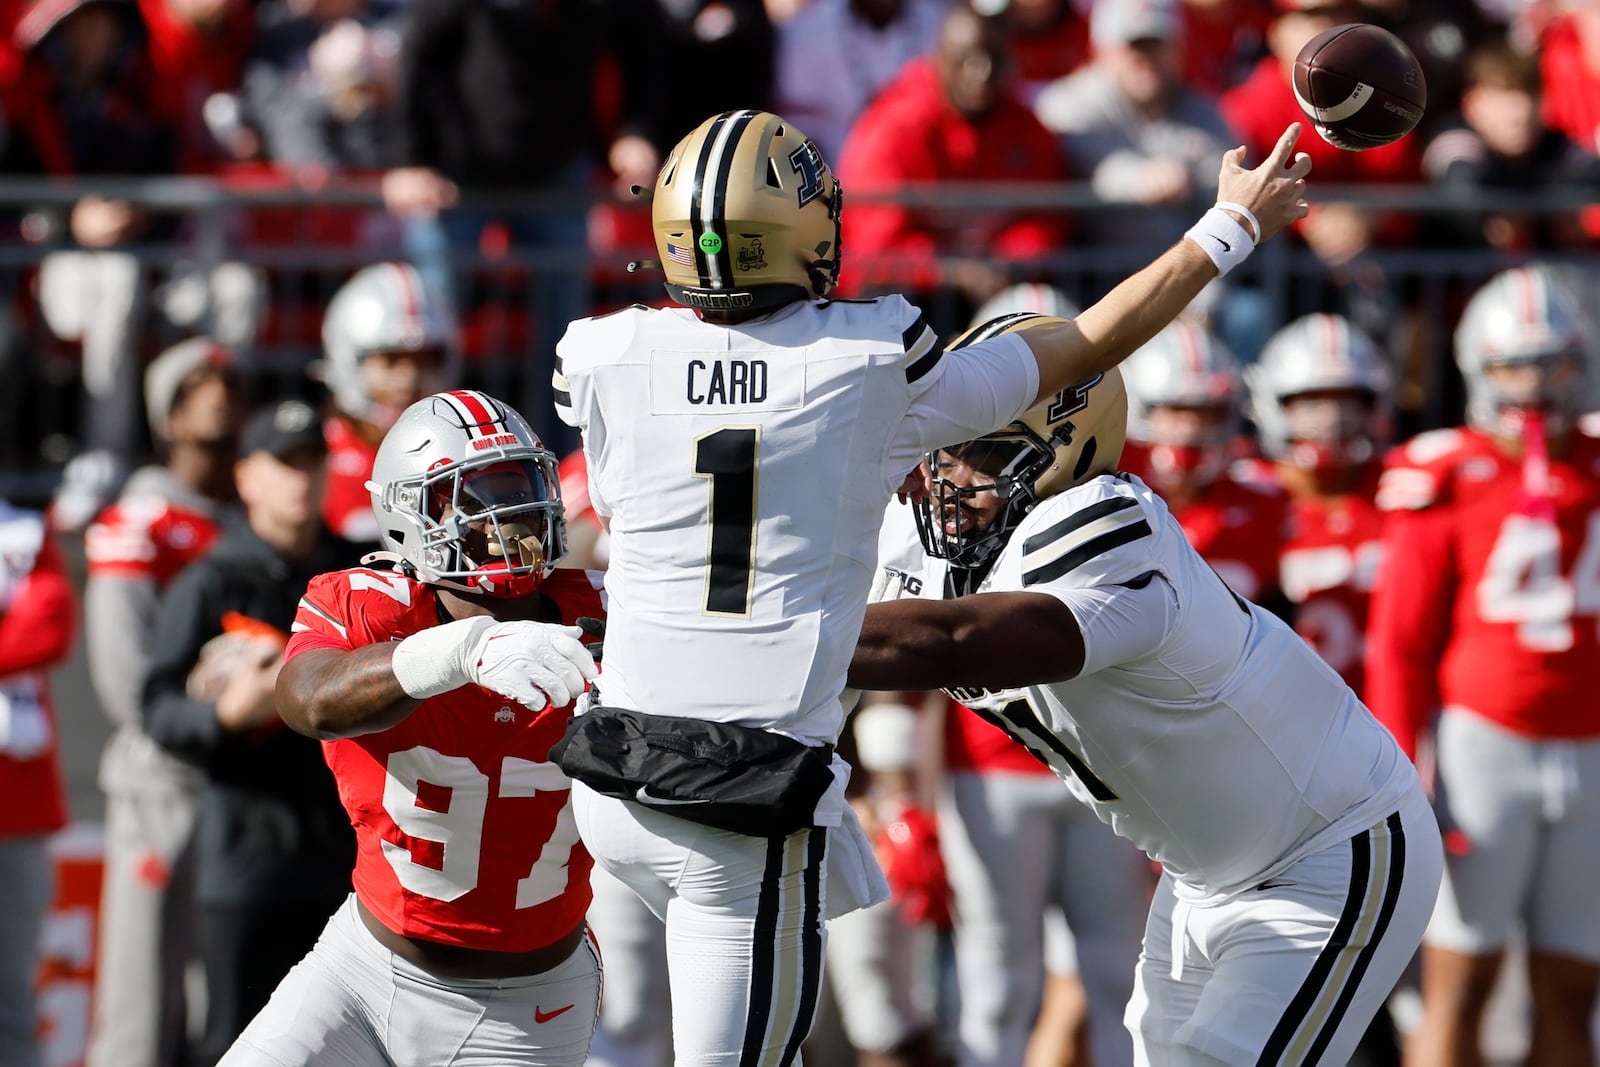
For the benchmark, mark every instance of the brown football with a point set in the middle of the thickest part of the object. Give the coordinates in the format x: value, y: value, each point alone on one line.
x: 1360, y: 86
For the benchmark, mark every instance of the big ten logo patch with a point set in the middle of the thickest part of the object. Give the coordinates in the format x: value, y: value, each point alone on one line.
x: 67, y: 964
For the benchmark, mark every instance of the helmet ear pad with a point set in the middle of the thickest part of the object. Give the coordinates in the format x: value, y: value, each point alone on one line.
x: 747, y: 215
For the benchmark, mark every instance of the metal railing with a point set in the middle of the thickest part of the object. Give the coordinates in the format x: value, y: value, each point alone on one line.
x: 1409, y: 295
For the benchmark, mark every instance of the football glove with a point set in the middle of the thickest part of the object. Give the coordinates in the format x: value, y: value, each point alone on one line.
x: 533, y: 663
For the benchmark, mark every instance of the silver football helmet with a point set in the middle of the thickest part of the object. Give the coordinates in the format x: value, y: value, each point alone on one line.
x: 1184, y: 367
x: 467, y: 496
x: 384, y: 308
x: 1320, y: 354
x: 1525, y: 317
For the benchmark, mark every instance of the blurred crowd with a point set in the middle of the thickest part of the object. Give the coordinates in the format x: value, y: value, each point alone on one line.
x: 1264, y: 422
x: 511, y: 134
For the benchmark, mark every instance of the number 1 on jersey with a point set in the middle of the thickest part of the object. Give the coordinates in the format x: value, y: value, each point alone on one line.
x: 728, y: 457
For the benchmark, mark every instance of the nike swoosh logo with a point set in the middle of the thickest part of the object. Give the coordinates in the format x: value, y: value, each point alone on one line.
x: 546, y: 1016
x: 644, y: 796
x: 1226, y: 247
x: 1272, y: 885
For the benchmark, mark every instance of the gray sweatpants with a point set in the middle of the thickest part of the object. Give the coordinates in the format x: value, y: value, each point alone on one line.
x: 26, y: 884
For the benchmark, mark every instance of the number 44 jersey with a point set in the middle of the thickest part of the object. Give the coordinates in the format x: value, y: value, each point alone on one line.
x: 745, y: 470
x: 464, y: 831
x: 1488, y: 599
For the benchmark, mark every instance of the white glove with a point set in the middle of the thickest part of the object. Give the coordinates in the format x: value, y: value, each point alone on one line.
x: 533, y: 663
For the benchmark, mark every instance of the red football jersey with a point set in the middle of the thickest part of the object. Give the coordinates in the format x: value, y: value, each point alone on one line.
x: 1330, y: 560
x: 464, y: 831
x: 346, y: 503
x: 1237, y: 525
x: 1485, y: 601
x: 150, y: 537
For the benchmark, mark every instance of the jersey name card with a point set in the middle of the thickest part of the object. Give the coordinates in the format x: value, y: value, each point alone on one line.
x: 697, y: 383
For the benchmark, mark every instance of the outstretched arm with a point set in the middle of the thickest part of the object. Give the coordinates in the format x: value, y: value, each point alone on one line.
x: 1114, y: 327
x: 988, y: 640
x: 329, y: 692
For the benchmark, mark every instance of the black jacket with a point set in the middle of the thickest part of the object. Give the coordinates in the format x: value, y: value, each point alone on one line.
x: 270, y: 823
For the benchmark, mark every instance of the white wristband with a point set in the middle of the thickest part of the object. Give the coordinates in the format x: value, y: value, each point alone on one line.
x: 1249, y: 216
x: 1222, y: 239
x: 434, y: 661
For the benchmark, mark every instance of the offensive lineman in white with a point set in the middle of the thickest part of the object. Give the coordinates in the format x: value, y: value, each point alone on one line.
x: 743, y: 448
x: 1300, y: 857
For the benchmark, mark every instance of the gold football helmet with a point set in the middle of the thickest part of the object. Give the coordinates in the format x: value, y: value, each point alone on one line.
x: 746, y: 215
x: 1060, y: 442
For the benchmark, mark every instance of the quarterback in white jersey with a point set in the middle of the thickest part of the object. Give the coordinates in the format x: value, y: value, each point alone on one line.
x: 743, y: 448
x: 1300, y: 858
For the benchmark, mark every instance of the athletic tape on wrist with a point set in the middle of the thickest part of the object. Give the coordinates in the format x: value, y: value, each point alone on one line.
x: 430, y: 662
x: 1222, y: 239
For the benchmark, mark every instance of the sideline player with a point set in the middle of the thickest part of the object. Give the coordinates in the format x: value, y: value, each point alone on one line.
x: 1300, y: 860
x: 1486, y: 609
x: 437, y: 688
x: 387, y: 342
x: 744, y: 447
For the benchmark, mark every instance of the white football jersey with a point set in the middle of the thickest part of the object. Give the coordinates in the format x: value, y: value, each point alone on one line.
x: 1202, y: 728
x: 745, y: 470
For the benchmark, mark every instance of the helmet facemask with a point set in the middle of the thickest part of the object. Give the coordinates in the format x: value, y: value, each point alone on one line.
x: 955, y: 521
x: 1330, y: 430
x: 492, y: 526
x: 1549, y: 384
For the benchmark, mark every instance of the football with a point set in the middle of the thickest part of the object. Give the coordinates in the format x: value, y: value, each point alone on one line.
x: 1360, y: 86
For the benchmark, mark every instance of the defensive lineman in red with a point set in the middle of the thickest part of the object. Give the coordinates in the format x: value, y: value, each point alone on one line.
x: 438, y: 688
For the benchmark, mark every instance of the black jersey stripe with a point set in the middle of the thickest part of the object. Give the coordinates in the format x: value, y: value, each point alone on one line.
x: 1077, y: 521
x: 562, y: 398
x: 1019, y: 721
x: 918, y: 368
x: 1076, y: 558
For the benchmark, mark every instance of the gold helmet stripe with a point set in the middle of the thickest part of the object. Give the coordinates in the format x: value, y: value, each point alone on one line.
x: 709, y: 197
x: 994, y: 328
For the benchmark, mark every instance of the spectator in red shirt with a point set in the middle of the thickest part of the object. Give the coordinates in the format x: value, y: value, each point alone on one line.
x: 1260, y: 107
x: 1222, y: 39
x: 950, y: 117
x: 37, y: 619
x: 197, y: 48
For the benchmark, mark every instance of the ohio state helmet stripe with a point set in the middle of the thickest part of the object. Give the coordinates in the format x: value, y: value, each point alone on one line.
x: 477, y: 414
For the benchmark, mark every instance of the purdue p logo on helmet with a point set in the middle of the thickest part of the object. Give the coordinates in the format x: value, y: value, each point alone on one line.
x: 746, y: 215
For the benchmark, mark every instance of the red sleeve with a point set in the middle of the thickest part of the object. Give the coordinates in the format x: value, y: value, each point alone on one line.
x: 322, y: 619
x: 36, y: 631
x: 1408, y: 622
